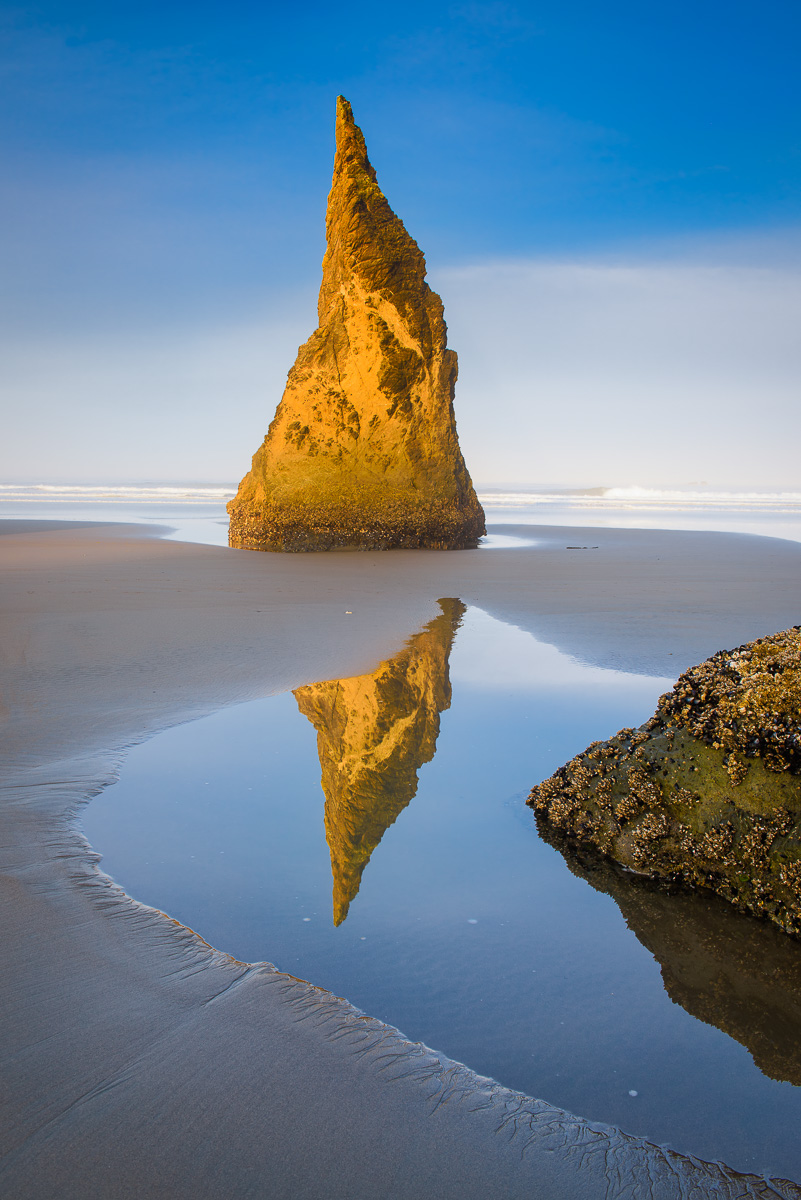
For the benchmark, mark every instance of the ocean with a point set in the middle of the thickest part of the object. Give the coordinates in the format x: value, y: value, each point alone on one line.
x: 196, y: 511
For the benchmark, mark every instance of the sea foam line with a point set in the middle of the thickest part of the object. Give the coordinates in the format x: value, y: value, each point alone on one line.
x: 634, y: 498
x: 628, y: 497
x: 126, y: 494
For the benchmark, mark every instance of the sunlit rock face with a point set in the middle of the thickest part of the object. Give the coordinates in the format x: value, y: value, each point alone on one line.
x: 374, y: 732
x: 709, y: 790
x: 741, y: 975
x: 362, y: 451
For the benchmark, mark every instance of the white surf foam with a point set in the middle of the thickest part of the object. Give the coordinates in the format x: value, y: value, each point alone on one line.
x: 643, y: 498
x: 120, y: 494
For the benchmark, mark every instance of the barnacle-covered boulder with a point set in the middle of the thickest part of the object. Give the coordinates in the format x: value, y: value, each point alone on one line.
x: 362, y: 451
x: 708, y: 792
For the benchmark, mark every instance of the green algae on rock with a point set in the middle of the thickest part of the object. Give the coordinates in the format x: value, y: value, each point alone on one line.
x: 362, y: 451
x: 708, y: 792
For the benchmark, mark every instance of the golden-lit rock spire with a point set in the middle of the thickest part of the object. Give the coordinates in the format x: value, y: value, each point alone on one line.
x: 374, y: 732
x: 362, y: 450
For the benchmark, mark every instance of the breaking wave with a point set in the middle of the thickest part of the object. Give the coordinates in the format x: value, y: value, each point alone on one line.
x: 120, y: 494
x: 643, y: 499
x: 630, y: 498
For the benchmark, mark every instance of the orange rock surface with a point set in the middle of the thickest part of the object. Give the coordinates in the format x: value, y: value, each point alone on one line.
x: 362, y: 451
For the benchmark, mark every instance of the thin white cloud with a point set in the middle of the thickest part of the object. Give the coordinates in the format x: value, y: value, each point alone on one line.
x: 641, y: 372
x: 171, y: 404
x: 576, y: 372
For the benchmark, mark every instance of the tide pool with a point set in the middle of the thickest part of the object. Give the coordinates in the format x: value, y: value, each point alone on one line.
x: 413, y: 882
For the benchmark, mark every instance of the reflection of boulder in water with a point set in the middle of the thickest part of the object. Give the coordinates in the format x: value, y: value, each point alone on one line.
x: 374, y: 732
x: 726, y: 968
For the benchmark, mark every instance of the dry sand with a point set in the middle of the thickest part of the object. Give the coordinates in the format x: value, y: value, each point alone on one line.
x: 137, y: 1061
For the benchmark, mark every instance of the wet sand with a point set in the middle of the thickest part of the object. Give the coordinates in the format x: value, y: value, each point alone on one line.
x: 136, y: 1060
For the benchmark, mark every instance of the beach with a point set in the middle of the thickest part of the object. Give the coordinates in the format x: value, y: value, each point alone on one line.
x: 140, y: 1061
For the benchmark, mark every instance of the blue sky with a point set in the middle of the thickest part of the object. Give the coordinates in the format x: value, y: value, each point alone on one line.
x: 163, y: 198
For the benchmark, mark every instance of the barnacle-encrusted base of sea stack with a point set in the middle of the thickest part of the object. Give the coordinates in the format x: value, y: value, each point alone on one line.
x: 440, y: 525
x: 708, y: 792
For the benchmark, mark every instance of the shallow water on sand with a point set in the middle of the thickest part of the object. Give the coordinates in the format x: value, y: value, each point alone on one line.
x: 456, y: 921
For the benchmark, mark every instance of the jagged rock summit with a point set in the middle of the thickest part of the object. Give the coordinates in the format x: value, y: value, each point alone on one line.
x: 362, y: 451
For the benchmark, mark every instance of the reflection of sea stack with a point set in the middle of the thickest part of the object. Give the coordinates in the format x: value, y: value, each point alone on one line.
x: 362, y: 450
x: 374, y: 733
x: 741, y: 975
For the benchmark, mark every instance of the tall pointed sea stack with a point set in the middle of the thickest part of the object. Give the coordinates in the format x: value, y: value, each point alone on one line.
x: 362, y: 451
